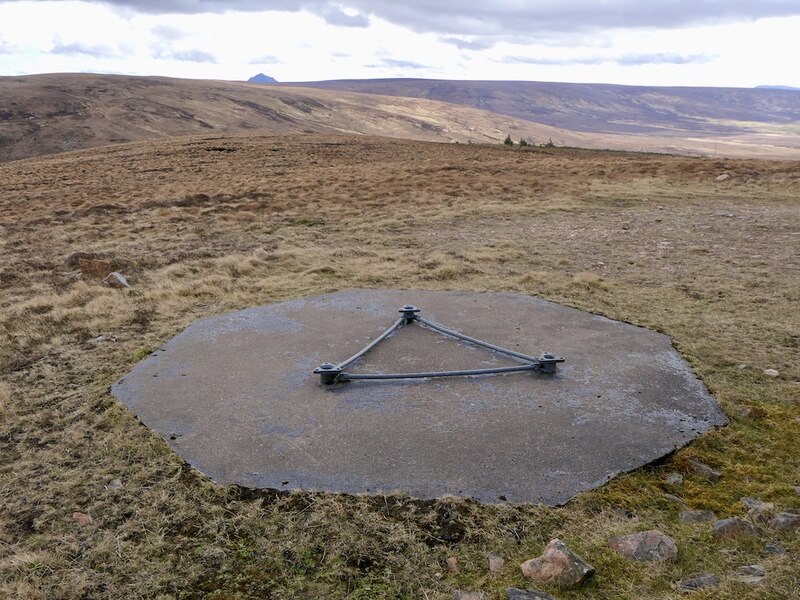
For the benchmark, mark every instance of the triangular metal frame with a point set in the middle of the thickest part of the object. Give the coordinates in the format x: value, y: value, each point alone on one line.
x: 330, y: 373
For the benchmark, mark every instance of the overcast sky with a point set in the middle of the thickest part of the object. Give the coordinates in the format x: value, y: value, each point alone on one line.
x: 739, y: 43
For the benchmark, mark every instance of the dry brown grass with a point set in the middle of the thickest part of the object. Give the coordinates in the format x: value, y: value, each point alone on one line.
x: 652, y: 240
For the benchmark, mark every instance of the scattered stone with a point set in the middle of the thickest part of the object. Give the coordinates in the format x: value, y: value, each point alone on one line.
x: 733, y: 527
x: 558, y: 565
x: 742, y: 366
x: 468, y: 595
x: 91, y: 267
x: 116, y: 280
x: 673, y: 498
x: 452, y: 564
x: 751, y: 574
x: 774, y: 548
x: 114, y: 484
x: 756, y: 509
x: 518, y: 594
x: 704, y: 470
x: 622, y: 513
x: 646, y: 546
x: 752, y: 413
x: 723, y: 177
x: 82, y: 518
x: 771, y: 373
x: 696, y: 516
x: 797, y: 490
x: 700, y: 582
x: 674, y: 479
x: 496, y: 563
x: 785, y: 521
x: 626, y: 226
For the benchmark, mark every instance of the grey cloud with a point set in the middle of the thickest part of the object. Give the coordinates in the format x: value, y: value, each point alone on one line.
x: 501, y: 18
x: 625, y: 60
x: 196, y: 56
x: 166, y: 32
x: 78, y: 48
x: 461, y: 44
x: 267, y: 59
x: 394, y: 63
x: 662, y: 59
x: 336, y: 16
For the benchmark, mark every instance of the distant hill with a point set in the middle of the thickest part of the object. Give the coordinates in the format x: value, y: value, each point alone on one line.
x: 46, y: 114
x: 261, y: 78
x: 778, y: 87
x: 603, y: 108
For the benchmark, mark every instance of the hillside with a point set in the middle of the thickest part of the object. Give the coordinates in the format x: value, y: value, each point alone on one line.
x: 603, y: 108
x: 95, y: 505
x: 46, y: 114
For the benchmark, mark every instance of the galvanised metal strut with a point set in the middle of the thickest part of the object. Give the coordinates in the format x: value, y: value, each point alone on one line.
x: 330, y: 373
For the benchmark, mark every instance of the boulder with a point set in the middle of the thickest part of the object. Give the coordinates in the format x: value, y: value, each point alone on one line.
x: 90, y: 267
x: 723, y: 177
x: 772, y: 373
x: 468, y: 595
x: 558, y: 565
x: 734, y: 527
x: 785, y: 521
x: 704, y: 470
x: 750, y: 574
x: 496, y: 563
x: 116, y: 280
x: 646, y: 546
x: 700, y: 582
x: 674, y: 479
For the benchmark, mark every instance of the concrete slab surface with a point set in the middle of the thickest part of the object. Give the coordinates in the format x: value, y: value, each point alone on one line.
x: 235, y: 396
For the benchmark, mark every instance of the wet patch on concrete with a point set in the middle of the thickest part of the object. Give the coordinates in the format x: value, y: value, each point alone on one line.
x: 234, y: 395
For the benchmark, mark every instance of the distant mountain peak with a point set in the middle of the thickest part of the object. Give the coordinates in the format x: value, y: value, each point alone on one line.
x: 261, y: 78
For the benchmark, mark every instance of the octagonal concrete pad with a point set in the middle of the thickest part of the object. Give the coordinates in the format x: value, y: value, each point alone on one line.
x: 235, y: 396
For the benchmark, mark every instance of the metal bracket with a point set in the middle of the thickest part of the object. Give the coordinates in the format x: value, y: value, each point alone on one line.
x: 330, y: 373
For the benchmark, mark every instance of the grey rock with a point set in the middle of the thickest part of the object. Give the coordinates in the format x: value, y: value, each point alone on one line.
x: 700, y: 582
x: 468, y: 595
x: 704, y: 470
x: 723, y: 177
x: 751, y: 570
x: 529, y: 594
x: 496, y: 563
x: 774, y: 548
x: 674, y: 479
x: 734, y: 527
x: 558, y: 565
x: 696, y: 516
x: 751, y: 502
x: 646, y: 546
x: 116, y: 280
x: 114, y: 484
x: 785, y: 521
x: 771, y: 373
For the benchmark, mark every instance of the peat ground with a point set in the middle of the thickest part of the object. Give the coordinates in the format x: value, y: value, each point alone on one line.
x: 204, y: 225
